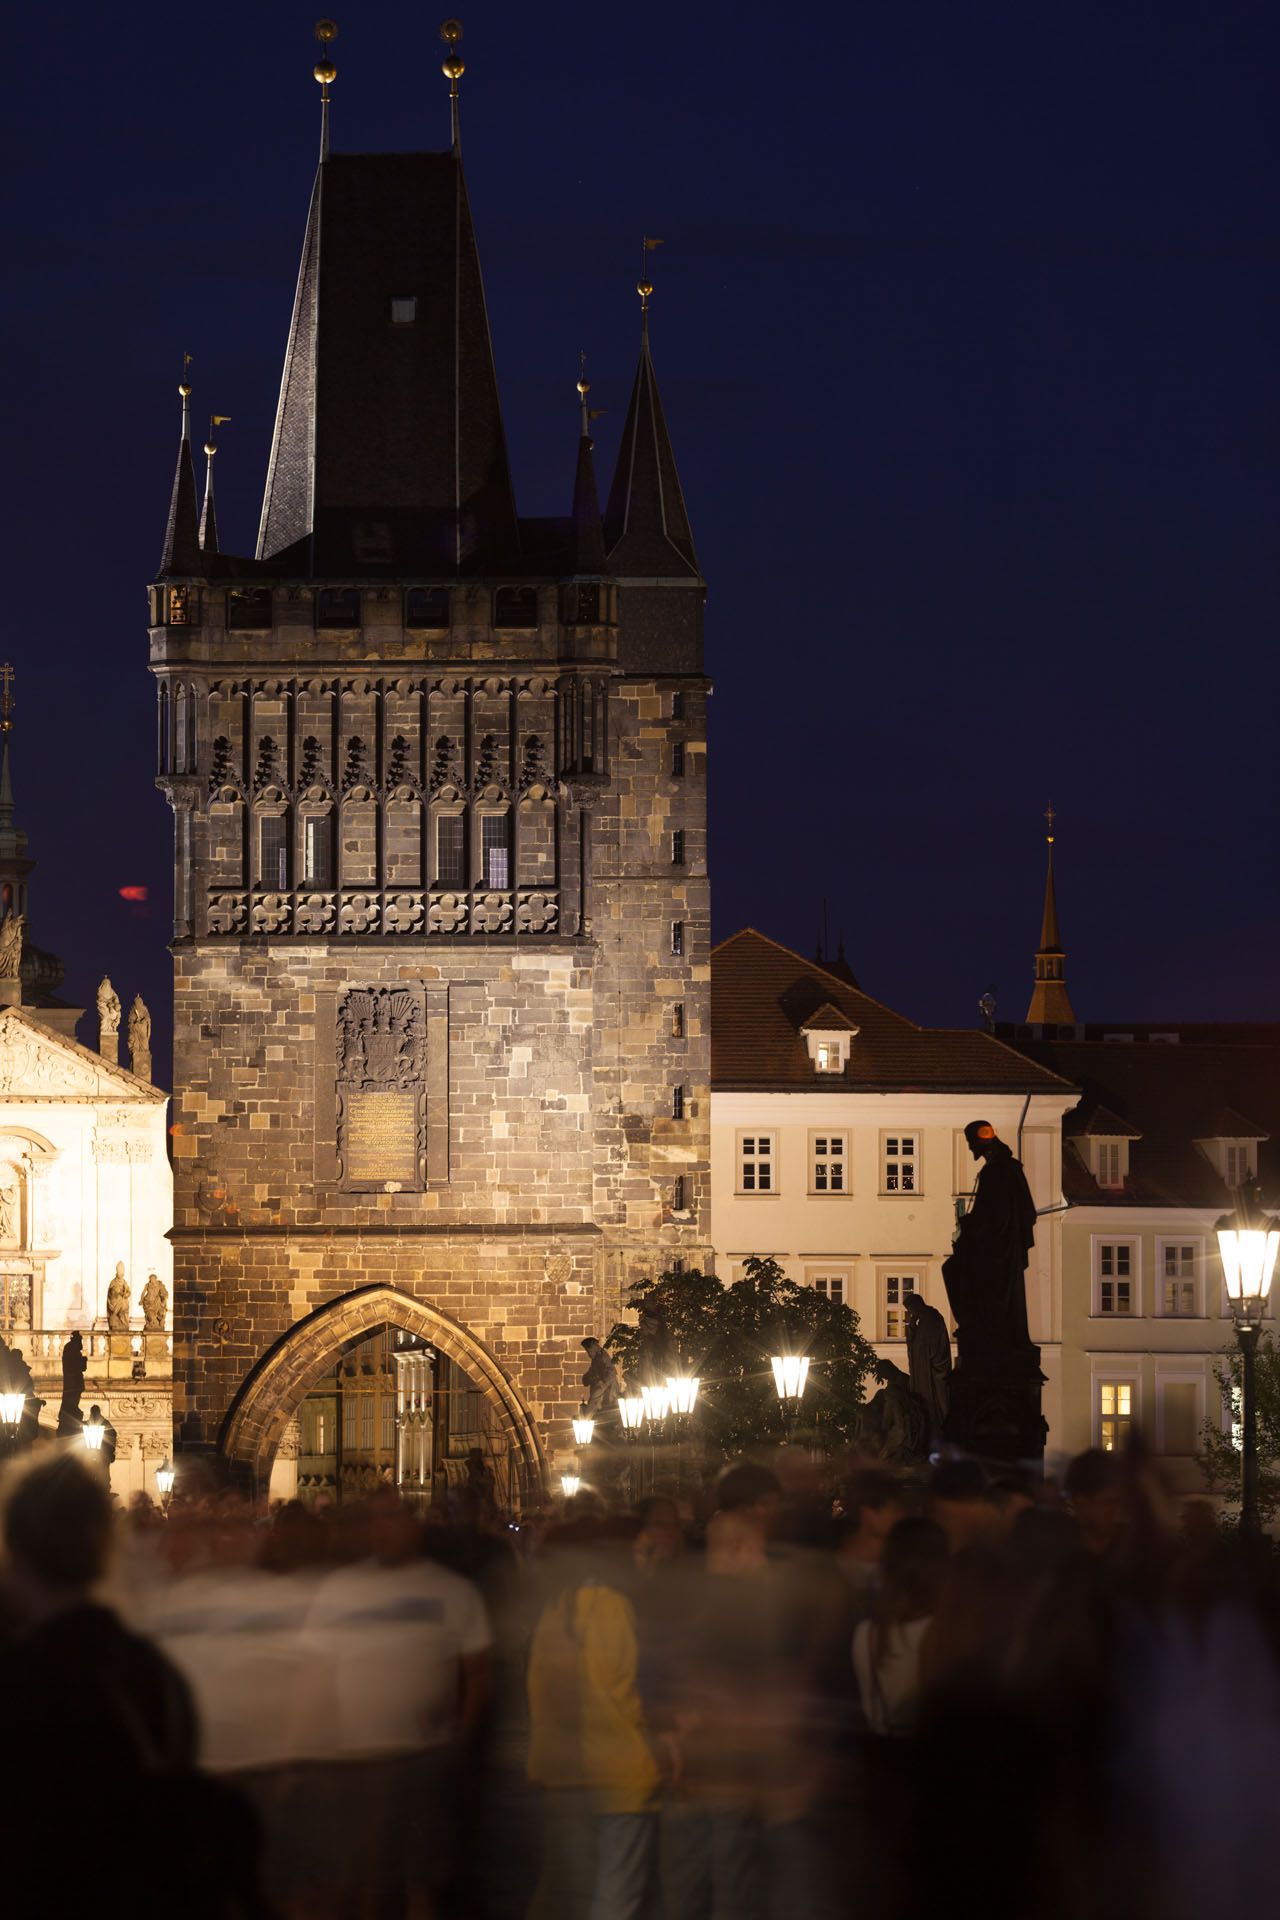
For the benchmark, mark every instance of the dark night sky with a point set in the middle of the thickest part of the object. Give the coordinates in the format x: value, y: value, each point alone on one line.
x: 965, y: 325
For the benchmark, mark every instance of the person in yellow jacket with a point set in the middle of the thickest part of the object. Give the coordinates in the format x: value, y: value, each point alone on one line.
x: 588, y: 1749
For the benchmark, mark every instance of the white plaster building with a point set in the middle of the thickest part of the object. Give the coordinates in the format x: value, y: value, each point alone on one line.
x: 837, y: 1142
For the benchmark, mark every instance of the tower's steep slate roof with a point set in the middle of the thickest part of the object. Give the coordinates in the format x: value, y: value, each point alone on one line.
x: 389, y: 450
x: 763, y: 995
x: 646, y: 524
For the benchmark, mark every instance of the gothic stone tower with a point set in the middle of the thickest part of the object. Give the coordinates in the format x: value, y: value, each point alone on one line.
x: 441, y: 906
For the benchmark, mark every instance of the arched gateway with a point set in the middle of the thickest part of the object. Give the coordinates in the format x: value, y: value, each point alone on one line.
x: 271, y: 1394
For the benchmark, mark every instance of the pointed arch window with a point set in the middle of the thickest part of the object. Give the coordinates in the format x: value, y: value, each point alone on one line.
x: 272, y: 871
x: 317, y: 850
x: 495, y: 850
x: 451, y: 851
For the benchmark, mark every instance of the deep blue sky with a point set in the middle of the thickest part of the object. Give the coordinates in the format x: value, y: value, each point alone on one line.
x: 966, y: 329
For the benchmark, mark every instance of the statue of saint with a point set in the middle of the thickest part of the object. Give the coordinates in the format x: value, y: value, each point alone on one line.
x: 118, y: 1301
x: 11, y: 938
x: 929, y: 1358
x: 74, y: 1368
x: 139, y: 1026
x: 600, y: 1381
x: 985, y: 1273
x: 154, y: 1301
x: 108, y: 1007
x: 895, y: 1421
x: 10, y: 1215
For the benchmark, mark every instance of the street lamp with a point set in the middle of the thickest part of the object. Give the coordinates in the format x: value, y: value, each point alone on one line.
x: 790, y: 1372
x: 631, y: 1412
x: 657, y: 1403
x: 682, y: 1392
x: 166, y: 1474
x: 12, y: 1408
x: 569, y: 1485
x: 1248, y: 1242
x: 94, y: 1431
x: 583, y: 1428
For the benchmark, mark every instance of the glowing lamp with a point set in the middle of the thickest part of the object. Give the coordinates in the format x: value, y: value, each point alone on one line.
x: 682, y: 1391
x: 631, y: 1412
x: 657, y: 1403
x: 12, y: 1406
x: 583, y: 1428
x: 94, y: 1433
x: 790, y: 1372
x: 1248, y: 1262
x: 569, y: 1485
x: 166, y: 1474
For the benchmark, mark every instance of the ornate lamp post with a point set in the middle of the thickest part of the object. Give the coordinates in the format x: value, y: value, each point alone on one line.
x: 166, y: 1474
x: 583, y: 1430
x: 94, y: 1431
x: 1248, y: 1242
x: 790, y: 1376
x: 682, y: 1393
x: 12, y: 1408
x: 569, y: 1485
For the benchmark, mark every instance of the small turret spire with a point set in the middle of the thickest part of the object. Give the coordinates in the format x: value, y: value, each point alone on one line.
x: 647, y: 526
x: 588, y: 534
x: 1050, y: 1001
x: 208, y: 515
x: 453, y: 69
x: 181, y: 553
x: 325, y: 74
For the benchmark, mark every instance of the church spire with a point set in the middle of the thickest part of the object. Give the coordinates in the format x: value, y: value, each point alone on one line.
x: 588, y: 534
x: 325, y: 74
x: 1050, y: 1001
x: 647, y: 527
x: 181, y: 554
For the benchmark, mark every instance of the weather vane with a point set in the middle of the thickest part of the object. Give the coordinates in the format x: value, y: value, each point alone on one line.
x: 453, y: 69
x: 7, y: 701
x: 325, y: 73
x: 1050, y: 816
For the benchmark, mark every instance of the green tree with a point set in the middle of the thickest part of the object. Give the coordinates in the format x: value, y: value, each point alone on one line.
x: 1220, y: 1455
x: 692, y: 1322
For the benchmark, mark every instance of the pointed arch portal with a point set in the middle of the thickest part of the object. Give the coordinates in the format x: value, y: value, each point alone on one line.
x: 271, y: 1394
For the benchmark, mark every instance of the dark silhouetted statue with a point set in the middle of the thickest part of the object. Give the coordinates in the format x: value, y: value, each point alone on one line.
x: 929, y: 1359
x: 600, y: 1381
x: 895, y: 1421
x: 995, y: 1396
x: 74, y: 1368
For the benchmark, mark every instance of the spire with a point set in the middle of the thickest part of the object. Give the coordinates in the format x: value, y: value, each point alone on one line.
x: 181, y: 554
x: 325, y: 74
x: 647, y: 527
x: 208, y: 515
x: 588, y: 535
x: 453, y: 70
x: 1050, y: 1001
x: 7, y: 704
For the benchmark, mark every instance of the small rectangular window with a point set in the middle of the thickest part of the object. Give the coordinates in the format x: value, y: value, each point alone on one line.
x: 404, y: 311
x: 317, y: 850
x: 338, y: 607
x: 755, y: 1163
x: 677, y: 1020
x: 426, y: 607
x: 901, y: 1163
x: 677, y: 847
x: 677, y: 936
x: 1178, y: 1279
x: 677, y: 1103
x: 828, y: 1164
x: 515, y: 607
x: 1239, y: 1161
x: 495, y: 847
x: 677, y: 704
x: 451, y: 856
x: 896, y: 1288
x: 273, y: 851
x: 1115, y: 1414
x: 830, y: 1286
x: 677, y: 759
x: 1115, y: 1277
x: 248, y: 609
x: 1110, y: 1163
x: 179, y: 606
x: 678, y: 1194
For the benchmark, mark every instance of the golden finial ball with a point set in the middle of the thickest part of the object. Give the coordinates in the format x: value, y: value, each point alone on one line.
x: 644, y: 288
x: 209, y: 448
x: 325, y: 72
x: 451, y: 32
x: 453, y: 69
x: 584, y: 388
x: 326, y: 30
x: 184, y: 389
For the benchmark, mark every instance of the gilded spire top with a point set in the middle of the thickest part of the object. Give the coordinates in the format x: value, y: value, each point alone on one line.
x: 184, y: 388
x: 584, y: 388
x: 325, y: 73
x: 644, y: 285
x: 7, y: 701
x: 453, y: 69
x: 1050, y: 816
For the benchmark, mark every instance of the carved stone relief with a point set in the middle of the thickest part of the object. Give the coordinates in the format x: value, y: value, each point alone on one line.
x: 381, y: 1092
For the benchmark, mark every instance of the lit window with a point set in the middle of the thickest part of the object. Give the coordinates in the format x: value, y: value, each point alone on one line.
x: 1178, y: 1278
x: 495, y: 848
x: 830, y: 1286
x: 830, y: 1056
x: 317, y: 850
x: 677, y: 847
x: 1115, y: 1277
x: 901, y: 1163
x: 451, y: 853
x: 896, y: 1288
x: 404, y: 312
x: 829, y: 1159
x: 1115, y: 1414
x: 179, y: 606
x: 755, y: 1163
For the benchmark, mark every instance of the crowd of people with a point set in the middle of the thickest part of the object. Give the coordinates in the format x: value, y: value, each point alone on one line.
x: 803, y: 1694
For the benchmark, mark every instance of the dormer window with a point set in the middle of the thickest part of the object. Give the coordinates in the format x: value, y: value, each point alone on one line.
x: 1230, y: 1144
x: 1111, y: 1163
x: 828, y: 1034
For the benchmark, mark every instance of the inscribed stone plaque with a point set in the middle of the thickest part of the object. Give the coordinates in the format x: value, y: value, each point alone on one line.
x: 382, y: 1136
x: 380, y: 1109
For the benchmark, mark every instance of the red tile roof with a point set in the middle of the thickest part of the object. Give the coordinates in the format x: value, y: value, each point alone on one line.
x: 763, y: 995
